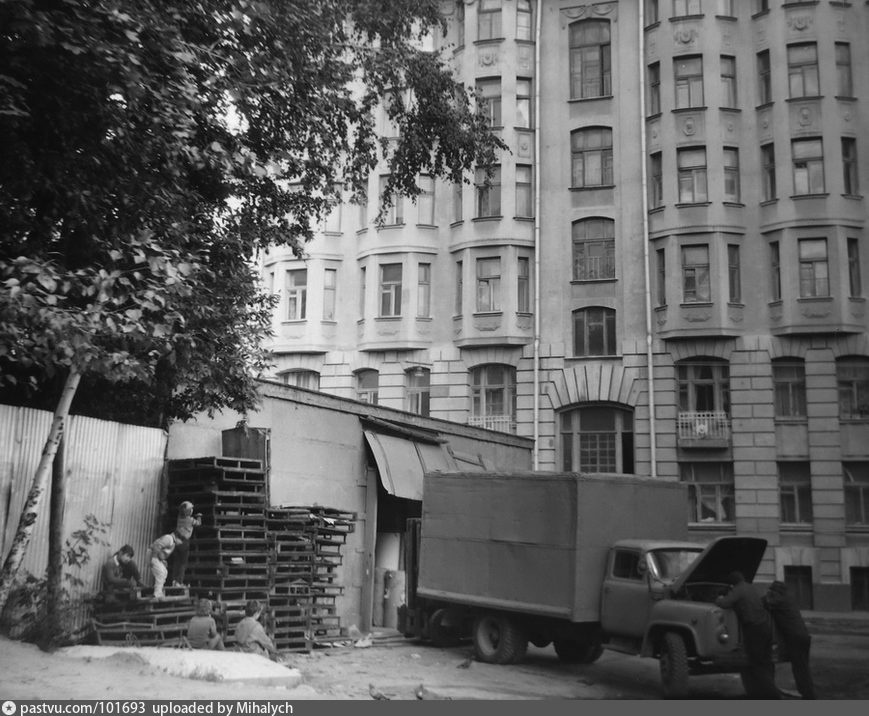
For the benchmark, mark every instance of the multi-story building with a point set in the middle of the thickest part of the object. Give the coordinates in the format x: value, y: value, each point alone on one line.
x: 665, y: 276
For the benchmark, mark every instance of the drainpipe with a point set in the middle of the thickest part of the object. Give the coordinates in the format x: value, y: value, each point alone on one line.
x: 647, y: 288
x: 537, y: 182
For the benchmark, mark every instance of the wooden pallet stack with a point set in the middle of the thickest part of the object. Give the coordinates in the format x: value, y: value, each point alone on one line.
x: 135, y: 618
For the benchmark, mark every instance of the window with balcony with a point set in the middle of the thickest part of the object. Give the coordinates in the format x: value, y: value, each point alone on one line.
x: 767, y: 170
x: 425, y: 202
x: 728, y: 82
x: 594, y: 332
x: 681, y: 8
x: 852, y: 378
x: 855, y: 282
x: 523, y: 103
x: 417, y: 390
x: 597, y: 438
x: 523, y: 285
x: 704, y: 400
x: 590, y: 61
x: 367, y: 386
x: 856, y: 475
x: 696, y: 285
x: 734, y: 274
x: 488, y: 284
x: 654, y: 88
x: 390, y: 290
x: 795, y: 493
x: 814, y: 269
x: 488, y: 193
x: 688, y: 77
x: 692, y: 175
x: 423, y: 291
x: 789, y: 388
x: 490, y: 92
x: 731, y: 175
x: 297, y: 294
x: 524, y: 195
x: 591, y: 157
x: 849, y: 166
x: 803, y: 70
x: 523, y: 19
x: 489, y: 20
x: 764, y: 78
x: 775, y: 270
x: 656, y: 180
x: 594, y: 249
x: 330, y: 288
x: 711, y: 494
x: 493, y: 397
x: 808, y: 158
x: 393, y: 213
x: 309, y: 379
x: 845, y: 84
x: 661, y: 285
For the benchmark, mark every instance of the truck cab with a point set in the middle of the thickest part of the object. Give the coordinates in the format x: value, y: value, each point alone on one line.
x: 658, y: 600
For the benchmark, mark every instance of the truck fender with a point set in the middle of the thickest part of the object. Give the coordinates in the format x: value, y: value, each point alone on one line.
x: 655, y: 633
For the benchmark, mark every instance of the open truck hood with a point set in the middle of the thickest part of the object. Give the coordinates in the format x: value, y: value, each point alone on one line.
x: 722, y: 556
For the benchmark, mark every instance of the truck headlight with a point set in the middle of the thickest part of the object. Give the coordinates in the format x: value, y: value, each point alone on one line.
x: 723, y: 635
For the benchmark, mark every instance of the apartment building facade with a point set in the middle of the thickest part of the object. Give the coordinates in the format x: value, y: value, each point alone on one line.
x: 666, y: 275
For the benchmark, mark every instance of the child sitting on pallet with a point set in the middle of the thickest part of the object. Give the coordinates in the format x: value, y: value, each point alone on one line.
x: 202, y: 631
x: 250, y: 635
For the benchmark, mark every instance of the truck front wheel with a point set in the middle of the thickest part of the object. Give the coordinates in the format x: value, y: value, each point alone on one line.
x: 497, y: 640
x: 674, y: 665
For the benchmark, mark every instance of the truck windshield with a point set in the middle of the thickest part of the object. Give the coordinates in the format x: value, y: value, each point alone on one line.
x: 670, y: 563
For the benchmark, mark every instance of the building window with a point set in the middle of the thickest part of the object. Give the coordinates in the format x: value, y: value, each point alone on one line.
x: 493, y: 397
x: 859, y: 588
x: 590, y: 64
x: 594, y: 249
x: 457, y: 201
x: 686, y: 7
x: 789, y: 388
x: 425, y: 201
x: 459, y: 288
x: 656, y: 180
x: 849, y: 166
x: 597, y: 438
x: 795, y: 492
x: 725, y: 8
x: 362, y: 286
x: 390, y: 290
x: 775, y: 270
x: 661, y: 258
x: 808, y: 155
x: 731, y: 175
x: 362, y: 204
x: 856, y: 493
x: 367, y: 386
x: 845, y: 86
x: 523, y: 285
x: 394, y: 213
x: 460, y: 23
x: 524, y: 204
x: 704, y: 386
x: 710, y: 492
x: 655, y: 88
x: 798, y: 581
x: 814, y: 270
x: 591, y: 157
x: 489, y: 20
x: 330, y: 285
x: 523, y: 19
x: 297, y: 294
x: 489, y: 284
x: 767, y: 168
x: 689, y: 81
x: 332, y: 222
x: 695, y: 274
x: 692, y: 175
x: 594, y: 332
x: 803, y: 70
x: 309, y: 379
x: 417, y: 390
x: 761, y: 6
x: 855, y: 284
x: 728, y: 82
x: 852, y: 378
x: 423, y: 291
x: 523, y: 103
x: 764, y: 78
x: 488, y: 194
x: 652, y: 12
x: 734, y: 271
x: 490, y: 91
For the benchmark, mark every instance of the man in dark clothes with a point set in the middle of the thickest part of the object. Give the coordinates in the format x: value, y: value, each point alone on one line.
x: 793, y: 632
x: 756, y: 625
x: 120, y: 573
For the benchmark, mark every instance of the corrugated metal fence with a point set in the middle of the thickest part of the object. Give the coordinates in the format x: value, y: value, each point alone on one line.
x: 113, y: 472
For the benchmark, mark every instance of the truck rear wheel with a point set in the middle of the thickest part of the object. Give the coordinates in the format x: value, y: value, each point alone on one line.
x: 674, y: 666
x: 578, y: 652
x: 497, y: 640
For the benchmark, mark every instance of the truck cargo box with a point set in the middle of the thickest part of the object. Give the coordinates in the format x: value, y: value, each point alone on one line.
x: 536, y: 542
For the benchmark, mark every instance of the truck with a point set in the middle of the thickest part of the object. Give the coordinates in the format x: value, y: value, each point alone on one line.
x: 584, y: 562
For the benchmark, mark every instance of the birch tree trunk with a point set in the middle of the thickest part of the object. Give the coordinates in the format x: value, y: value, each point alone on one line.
x: 30, y: 510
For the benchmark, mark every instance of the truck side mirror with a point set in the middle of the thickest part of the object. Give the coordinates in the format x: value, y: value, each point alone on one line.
x: 642, y: 567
